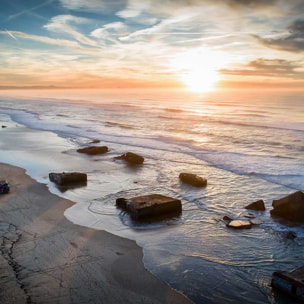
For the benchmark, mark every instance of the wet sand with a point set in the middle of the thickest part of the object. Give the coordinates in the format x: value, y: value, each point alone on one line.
x: 47, y: 259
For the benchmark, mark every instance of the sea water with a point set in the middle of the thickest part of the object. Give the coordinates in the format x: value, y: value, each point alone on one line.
x: 249, y: 145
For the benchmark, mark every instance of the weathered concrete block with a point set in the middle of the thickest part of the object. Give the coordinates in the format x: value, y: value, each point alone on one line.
x: 68, y: 178
x: 290, y: 207
x: 193, y: 179
x: 291, y: 282
x: 149, y: 205
x: 94, y: 150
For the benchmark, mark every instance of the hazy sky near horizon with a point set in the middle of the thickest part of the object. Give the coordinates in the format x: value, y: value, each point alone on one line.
x: 129, y: 43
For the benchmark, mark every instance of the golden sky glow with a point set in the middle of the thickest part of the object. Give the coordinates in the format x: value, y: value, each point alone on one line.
x: 195, y: 44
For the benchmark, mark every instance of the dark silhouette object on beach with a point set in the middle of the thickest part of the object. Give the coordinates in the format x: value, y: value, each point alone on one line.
x: 4, y: 187
x: 257, y: 206
x: 290, y: 282
x: 149, y: 205
x: 131, y: 158
x: 193, y: 180
x: 94, y: 150
x: 68, y: 178
x: 3, y: 126
x: 290, y: 207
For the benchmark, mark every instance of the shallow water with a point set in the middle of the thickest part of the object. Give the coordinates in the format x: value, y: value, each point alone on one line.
x: 249, y: 147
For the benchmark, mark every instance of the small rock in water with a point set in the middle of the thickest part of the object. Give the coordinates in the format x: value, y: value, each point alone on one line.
x: 250, y: 216
x: 256, y: 221
x: 227, y: 218
x: 131, y: 158
x: 94, y: 150
x: 258, y: 206
x: 193, y: 179
x: 239, y: 224
x: 3, y: 126
x: 95, y: 141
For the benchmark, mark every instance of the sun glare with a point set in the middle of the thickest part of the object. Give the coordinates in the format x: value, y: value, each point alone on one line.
x: 197, y: 69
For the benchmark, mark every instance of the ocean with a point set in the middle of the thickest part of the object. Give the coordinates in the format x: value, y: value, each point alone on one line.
x: 248, y: 144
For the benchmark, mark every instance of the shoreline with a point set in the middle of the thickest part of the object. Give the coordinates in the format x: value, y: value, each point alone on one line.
x: 45, y: 258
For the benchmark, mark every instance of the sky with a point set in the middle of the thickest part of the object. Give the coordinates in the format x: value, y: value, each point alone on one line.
x: 197, y: 44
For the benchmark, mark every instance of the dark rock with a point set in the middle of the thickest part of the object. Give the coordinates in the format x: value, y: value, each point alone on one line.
x: 3, y: 126
x: 4, y: 187
x: 131, y: 158
x: 227, y: 218
x: 94, y: 150
x: 68, y: 178
x: 150, y: 205
x: 193, y: 179
x: 95, y: 141
x: 290, y: 207
x: 290, y: 235
x: 239, y: 224
x: 258, y: 206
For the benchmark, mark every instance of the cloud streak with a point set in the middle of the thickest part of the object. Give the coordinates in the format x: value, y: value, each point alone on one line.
x: 62, y: 24
x: 269, y: 68
x: 10, y: 34
x: 30, y: 10
x: 58, y: 42
x: 293, y: 41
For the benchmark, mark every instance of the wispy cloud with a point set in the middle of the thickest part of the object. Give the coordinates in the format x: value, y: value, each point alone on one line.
x: 58, y: 42
x: 292, y: 41
x: 10, y: 34
x: 92, y: 5
x: 110, y: 31
x: 29, y: 10
x: 269, y: 68
x: 62, y: 24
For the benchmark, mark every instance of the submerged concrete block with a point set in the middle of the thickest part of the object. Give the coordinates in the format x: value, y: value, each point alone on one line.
x: 149, y: 205
x: 68, y: 178
x: 94, y: 150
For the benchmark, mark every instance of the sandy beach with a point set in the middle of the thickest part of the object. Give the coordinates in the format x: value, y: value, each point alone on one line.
x: 47, y: 259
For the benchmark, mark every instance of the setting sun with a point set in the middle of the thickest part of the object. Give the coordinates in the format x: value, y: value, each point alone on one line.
x: 197, y: 69
x: 200, y: 80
